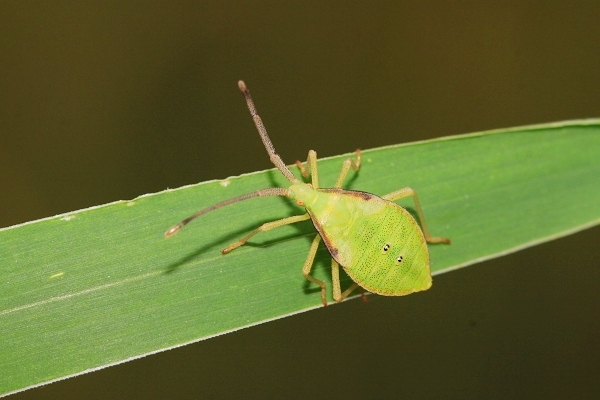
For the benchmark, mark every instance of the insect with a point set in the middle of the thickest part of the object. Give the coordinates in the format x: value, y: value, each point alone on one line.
x: 377, y: 242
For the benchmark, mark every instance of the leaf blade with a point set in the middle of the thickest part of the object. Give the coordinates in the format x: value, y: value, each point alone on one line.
x: 100, y: 286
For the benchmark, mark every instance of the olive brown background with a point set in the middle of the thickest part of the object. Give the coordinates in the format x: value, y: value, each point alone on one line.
x: 102, y: 101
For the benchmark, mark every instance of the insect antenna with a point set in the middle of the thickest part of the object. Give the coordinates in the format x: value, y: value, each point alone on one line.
x: 275, y: 158
x: 259, y: 193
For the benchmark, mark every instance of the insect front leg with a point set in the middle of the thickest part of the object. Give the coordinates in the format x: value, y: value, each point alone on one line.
x: 311, y: 168
x: 308, y: 266
x: 350, y: 162
x: 266, y: 227
x: 405, y: 192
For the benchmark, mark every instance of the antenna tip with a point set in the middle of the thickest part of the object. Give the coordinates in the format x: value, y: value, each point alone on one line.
x: 242, y: 86
x: 173, y: 230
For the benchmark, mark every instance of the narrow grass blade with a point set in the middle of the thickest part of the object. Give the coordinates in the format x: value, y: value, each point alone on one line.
x: 101, y: 286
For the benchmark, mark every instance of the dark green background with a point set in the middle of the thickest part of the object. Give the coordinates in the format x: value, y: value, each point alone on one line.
x: 106, y: 101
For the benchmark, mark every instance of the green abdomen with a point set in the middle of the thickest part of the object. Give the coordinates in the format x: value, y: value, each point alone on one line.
x: 378, y: 243
x: 380, y: 271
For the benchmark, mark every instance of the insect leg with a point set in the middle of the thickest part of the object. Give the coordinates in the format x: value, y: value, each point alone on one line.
x: 405, y: 192
x: 308, y: 266
x: 266, y: 227
x: 350, y: 162
x: 335, y: 278
x: 311, y: 168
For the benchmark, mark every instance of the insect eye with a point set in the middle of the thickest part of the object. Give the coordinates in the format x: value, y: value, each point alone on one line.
x: 386, y: 247
x: 399, y: 259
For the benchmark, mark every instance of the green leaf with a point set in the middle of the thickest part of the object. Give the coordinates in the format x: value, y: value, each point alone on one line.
x: 101, y: 286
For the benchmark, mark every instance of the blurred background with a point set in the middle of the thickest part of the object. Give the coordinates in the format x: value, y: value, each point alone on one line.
x: 105, y: 101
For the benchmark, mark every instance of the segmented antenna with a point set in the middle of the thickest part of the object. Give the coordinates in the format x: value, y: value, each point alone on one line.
x: 259, y: 193
x: 275, y: 158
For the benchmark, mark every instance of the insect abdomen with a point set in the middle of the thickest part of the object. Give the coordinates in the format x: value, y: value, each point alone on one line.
x: 356, y: 228
x: 393, y: 260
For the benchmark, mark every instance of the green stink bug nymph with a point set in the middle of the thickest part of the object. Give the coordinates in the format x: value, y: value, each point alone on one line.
x: 377, y: 242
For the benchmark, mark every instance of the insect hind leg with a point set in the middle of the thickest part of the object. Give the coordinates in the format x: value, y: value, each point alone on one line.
x: 405, y: 192
x: 338, y: 296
